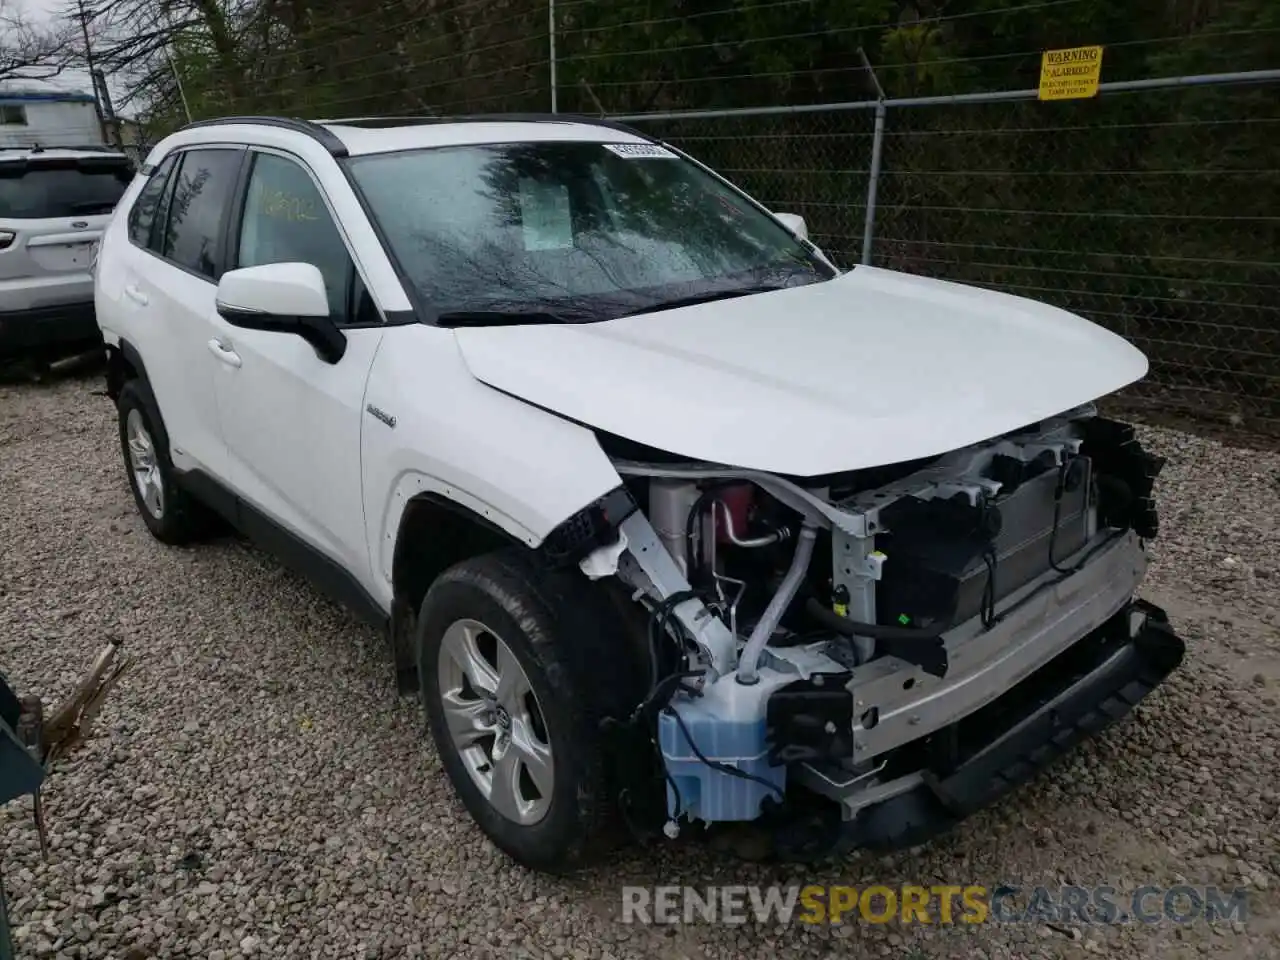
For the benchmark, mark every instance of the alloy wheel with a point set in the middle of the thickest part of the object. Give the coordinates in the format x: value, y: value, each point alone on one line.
x: 495, y: 721
x: 144, y: 464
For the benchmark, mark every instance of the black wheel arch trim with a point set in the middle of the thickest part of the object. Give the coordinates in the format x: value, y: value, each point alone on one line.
x: 133, y: 358
x: 407, y: 596
x: 453, y: 506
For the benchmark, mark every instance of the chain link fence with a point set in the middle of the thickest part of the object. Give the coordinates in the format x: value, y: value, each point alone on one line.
x: 1153, y: 208
x: 1153, y: 211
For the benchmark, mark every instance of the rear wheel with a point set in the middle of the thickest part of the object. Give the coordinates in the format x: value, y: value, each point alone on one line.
x: 143, y: 465
x: 170, y: 513
x: 515, y: 672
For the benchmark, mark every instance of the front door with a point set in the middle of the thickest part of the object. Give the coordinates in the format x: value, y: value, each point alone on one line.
x: 291, y: 420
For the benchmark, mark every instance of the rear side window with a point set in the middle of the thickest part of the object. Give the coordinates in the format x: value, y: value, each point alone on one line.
x: 197, y: 204
x: 35, y: 191
x: 143, y: 215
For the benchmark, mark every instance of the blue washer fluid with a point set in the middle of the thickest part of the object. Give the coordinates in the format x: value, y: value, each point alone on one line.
x: 704, y: 792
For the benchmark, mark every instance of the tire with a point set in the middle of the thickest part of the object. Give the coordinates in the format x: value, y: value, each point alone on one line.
x: 556, y: 629
x: 171, y: 514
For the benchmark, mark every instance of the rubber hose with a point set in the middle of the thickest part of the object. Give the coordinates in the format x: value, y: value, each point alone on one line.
x: 831, y: 620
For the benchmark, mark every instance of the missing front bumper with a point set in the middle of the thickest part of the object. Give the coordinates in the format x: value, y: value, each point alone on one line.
x: 897, y: 704
x: 973, y: 762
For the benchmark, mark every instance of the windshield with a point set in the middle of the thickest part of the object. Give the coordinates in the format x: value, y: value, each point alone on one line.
x: 32, y: 191
x: 572, y: 231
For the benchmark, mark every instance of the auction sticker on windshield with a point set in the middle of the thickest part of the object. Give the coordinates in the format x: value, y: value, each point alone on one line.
x: 1070, y: 74
x: 639, y: 151
x: 545, y: 216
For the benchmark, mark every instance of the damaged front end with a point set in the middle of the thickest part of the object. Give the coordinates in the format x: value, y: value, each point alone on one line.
x: 865, y: 658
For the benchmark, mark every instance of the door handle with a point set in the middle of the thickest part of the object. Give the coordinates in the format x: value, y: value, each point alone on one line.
x: 224, y: 352
x: 134, y: 293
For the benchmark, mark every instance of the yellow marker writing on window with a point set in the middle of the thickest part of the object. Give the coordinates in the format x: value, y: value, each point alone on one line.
x: 277, y: 203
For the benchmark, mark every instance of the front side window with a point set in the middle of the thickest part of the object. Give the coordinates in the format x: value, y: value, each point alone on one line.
x: 286, y: 221
x: 13, y: 114
x: 572, y: 231
x: 35, y: 189
x: 142, y: 216
x: 200, y: 197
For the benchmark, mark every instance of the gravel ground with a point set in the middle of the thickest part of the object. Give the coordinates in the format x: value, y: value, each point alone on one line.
x: 254, y: 787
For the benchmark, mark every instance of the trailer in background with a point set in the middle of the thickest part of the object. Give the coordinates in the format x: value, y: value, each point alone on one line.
x: 48, y: 118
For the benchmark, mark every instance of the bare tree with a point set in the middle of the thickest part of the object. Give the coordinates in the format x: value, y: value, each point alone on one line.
x: 145, y: 43
x: 29, y: 51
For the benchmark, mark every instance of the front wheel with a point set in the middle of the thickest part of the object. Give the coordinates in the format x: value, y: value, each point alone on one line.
x: 504, y: 649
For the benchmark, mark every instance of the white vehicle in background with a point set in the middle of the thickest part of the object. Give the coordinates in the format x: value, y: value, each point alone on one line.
x: 672, y: 524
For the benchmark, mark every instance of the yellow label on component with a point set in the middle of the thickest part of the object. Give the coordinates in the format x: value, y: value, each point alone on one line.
x: 841, y: 609
x: 1070, y: 74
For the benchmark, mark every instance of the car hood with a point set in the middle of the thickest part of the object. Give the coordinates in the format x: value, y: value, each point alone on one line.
x: 872, y: 368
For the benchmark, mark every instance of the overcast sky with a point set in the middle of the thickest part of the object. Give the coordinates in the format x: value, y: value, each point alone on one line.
x: 36, y: 7
x: 49, y: 11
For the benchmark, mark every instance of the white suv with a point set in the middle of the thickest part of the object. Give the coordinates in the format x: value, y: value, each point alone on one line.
x: 672, y: 524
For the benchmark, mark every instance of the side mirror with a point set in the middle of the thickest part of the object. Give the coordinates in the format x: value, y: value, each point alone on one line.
x: 282, y: 298
x: 795, y: 223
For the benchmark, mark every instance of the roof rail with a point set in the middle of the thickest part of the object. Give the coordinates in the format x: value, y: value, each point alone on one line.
x: 380, y: 122
x: 403, y: 121
x: 587, y: 118
x: 309, y: 128
x: 327, y: 139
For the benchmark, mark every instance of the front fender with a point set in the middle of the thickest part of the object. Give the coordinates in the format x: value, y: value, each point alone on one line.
x: 441, y: 431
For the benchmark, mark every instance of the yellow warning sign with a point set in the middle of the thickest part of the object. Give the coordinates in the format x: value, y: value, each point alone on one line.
x: 1070, y: 74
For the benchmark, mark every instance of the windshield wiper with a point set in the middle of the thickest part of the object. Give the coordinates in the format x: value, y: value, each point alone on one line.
x: 697, y: 298
x: 498, y: 318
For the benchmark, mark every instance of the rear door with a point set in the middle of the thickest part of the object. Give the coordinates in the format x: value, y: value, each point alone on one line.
x: 168, y: 289
x: 52, y: 213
